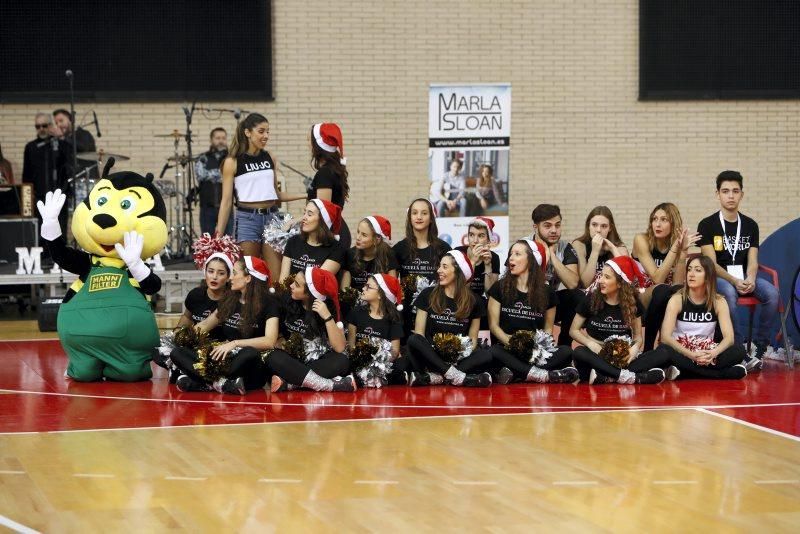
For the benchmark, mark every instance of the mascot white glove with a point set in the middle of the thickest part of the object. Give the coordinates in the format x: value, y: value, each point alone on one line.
x: 131, y: 254
x: 49, y: 210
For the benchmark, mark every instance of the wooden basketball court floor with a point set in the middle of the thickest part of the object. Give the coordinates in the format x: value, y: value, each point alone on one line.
x: 690, y: 455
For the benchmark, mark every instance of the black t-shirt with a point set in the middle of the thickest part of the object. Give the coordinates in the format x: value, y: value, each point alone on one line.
x: 446, y: 321
x: 199, y: 304
x: 295, y: 318
x: 303, y: 254
x: 606, y: 322
x: 426, y: 261
x: 326, y: 178
x: 367, y: 326
x: 230, y: 326
x: 711, y: 233
x: 602, y: 258
x: 359, y: 278
x: 517, y: 314
x: 478, y: 281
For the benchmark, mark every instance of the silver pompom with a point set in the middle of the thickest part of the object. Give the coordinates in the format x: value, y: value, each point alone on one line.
x: 166, y: 344
x: 375, y: 374
x: 314, y: 348
x: 466, y: 347
x: 544, y: 348
x: 278, y: 231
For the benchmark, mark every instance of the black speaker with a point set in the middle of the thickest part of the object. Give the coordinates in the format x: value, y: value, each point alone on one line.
x: 47, y: 314
x: 17, y: 232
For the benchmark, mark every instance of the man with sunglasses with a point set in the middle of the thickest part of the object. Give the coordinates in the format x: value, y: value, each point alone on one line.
x: 45, y: 161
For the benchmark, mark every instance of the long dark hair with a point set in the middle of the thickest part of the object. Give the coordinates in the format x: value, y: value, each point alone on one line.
x: 613, y: 235
x: 711, y: 279
x: 323, y: 234
x: 256, y: 296
x: 332, y: 160
x: 383, y: 253
x: 239, y: 143
x: 537, y: 294
x: 627, y: 300
x: 433, y: 230
x: 296, y: 308
x: 388, y: 309
x: 2, y: 159
x: 464, y: 297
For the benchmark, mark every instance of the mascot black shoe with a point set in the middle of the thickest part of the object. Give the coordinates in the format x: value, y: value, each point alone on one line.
x: 105, y: 322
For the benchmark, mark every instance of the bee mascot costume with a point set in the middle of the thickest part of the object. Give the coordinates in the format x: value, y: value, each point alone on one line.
x: 105, y: 322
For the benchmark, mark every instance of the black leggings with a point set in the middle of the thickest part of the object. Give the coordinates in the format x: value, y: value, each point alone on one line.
x: 561, y: 358
x: 655, y: 312
x: 421, y: 350
x: 587, y: 360
x: 689, y: 369
x: 568, y: 300
x: 329, y: 365
x: 246, y: 364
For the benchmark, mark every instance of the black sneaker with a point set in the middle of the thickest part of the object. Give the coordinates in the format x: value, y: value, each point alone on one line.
x: 174, y: 373
x: 761, y: 350
x: 597, y: 378
x: 735, y: 372
x: 186, y: 383
x: 504, y: 375
x: 234, y: 386
x: 482, y: 380
x: 346, y: 383
x: 161, y: 360
x: 672, y: 372
x: 753, y: 364
x: 653, y: 376
x: 563, y: 376
x: 415, y: 379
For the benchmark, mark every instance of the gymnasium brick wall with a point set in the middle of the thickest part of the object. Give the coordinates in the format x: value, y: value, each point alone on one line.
x: 579, y: 135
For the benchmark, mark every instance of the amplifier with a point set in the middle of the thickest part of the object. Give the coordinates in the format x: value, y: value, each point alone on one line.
x: 17, y: 232
x: 17, y: 200
x: 47, y: 314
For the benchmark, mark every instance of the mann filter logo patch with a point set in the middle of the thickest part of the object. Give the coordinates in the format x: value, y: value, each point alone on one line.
x: 101, y: 282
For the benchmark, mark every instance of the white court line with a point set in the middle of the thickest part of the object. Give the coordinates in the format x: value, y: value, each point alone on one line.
x: 788, y: 481
x: 475, y: 482
x: 8, y: 472
x: 92, y: 475
x: 186, y: 478
x: 280, y: 480
x: 405, y: 406
x: 363, y: 420
x: 575, y: 483
x: 751, y: 425
x: 16, y: 527
x: 675, y: 482
x: 377, y: 482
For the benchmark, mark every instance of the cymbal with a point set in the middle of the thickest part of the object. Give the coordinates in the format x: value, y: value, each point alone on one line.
x: 182, y: 159
x: 175, y: 135
x: 101, y: 155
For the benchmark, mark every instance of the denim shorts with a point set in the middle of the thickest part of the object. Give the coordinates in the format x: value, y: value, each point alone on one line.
x: 250, y: 226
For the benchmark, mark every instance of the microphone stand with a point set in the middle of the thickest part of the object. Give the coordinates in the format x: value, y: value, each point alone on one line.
x: 306, y: 178
x: 189, y: 178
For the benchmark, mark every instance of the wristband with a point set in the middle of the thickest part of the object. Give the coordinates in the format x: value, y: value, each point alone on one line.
x: 330, y: 318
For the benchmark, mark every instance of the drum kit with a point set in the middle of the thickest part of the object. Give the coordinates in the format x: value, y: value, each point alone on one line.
x: 178, y: 192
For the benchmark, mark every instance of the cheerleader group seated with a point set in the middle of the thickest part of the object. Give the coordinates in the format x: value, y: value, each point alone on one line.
x: 410, y: 314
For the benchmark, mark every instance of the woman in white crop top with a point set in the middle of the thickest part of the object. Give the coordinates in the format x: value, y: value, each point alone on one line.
x: 249, y: 170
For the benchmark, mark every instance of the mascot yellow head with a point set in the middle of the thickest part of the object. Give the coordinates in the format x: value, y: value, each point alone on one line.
x: 119, y: 203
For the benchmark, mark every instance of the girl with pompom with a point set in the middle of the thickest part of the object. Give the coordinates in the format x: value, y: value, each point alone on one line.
x: 311, y: 311
x: 697, y: 329
x: 379, y: 318
x: 248, y: 318
x: 317, y: 245
x: 418, y: 254
x: 608, y: 325
x: 523, y: 301
x: 449, y: 307
x: 661, y: 251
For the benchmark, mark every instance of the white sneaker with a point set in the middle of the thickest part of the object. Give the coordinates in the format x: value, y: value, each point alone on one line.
x: 672, y: 372
x: 753, y: 364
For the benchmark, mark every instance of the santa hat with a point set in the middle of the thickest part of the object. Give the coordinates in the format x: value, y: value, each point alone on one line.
x: 329, y: 138
x: 463, y: 263
x: 485, y: 222
x: 539, y: 253
x: 381, y: 225
x: 391, y: 287
x: 257, y: 267
x: 323, y: 286
x: 222, y: 257
x: 331, y: 213
x: 627, y: 268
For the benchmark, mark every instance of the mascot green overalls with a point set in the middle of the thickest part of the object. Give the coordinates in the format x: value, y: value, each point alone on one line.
x: 105, y: 322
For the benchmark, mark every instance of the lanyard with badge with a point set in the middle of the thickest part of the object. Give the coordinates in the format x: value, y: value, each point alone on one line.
x: 737, y: 271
